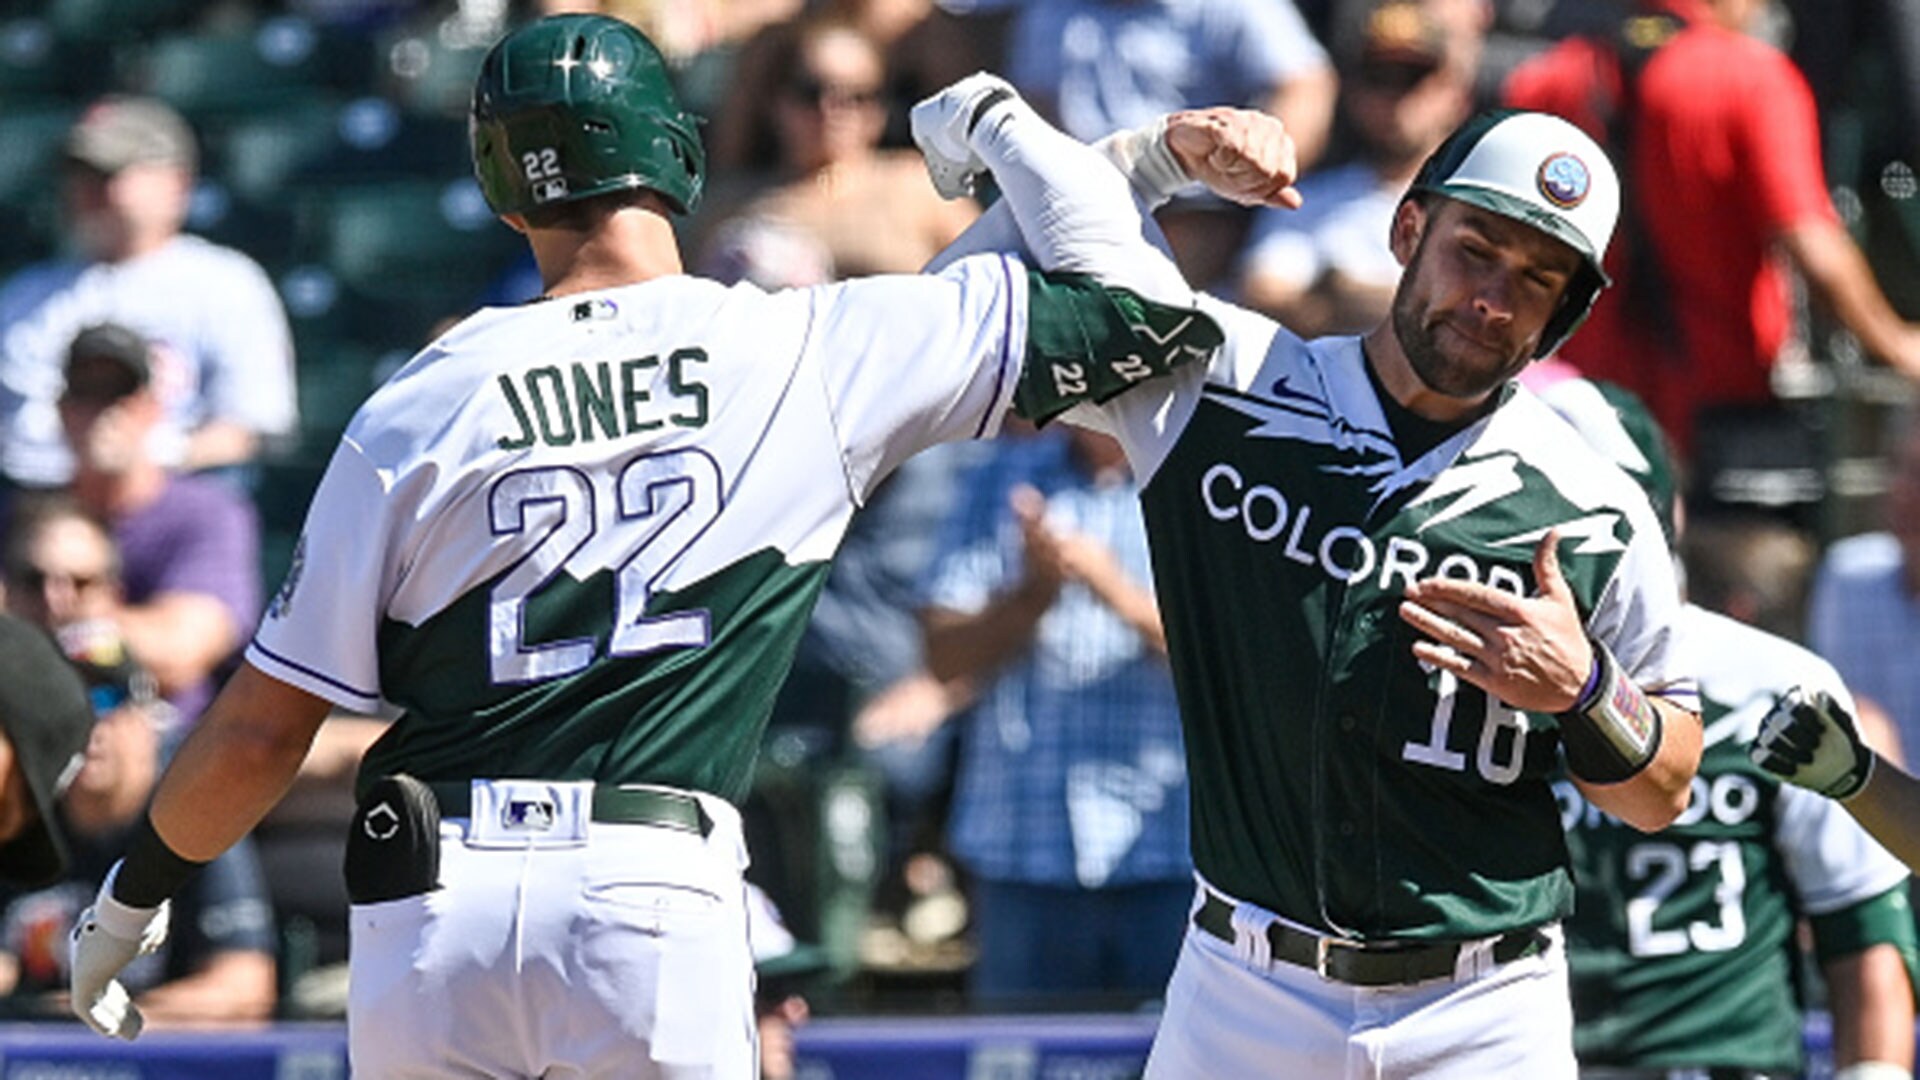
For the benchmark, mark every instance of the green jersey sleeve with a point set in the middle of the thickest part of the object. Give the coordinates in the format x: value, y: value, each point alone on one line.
x: 1088, y: 342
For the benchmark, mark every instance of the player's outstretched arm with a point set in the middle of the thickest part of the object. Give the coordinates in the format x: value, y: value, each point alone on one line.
x: 1809, y: 740
x: 1076, y: 213
x: 1241, y: 154
x: 241, y: 758
x: 1632, y: 754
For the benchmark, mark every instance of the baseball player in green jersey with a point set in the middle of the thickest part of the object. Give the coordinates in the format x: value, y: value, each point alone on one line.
x: 1397, y: 588
x: 575, y: 543
x: 1683, y: 943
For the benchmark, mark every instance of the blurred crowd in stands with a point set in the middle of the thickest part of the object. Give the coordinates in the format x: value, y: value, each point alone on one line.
x: 228, y: 220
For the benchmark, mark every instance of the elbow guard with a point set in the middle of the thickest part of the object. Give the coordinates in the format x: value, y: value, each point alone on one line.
x: 1087, y: 342
x: 1613, y: 731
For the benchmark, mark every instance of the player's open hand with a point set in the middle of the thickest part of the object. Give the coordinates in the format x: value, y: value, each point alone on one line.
x: 1242, y: 154
x: 1530, y: 652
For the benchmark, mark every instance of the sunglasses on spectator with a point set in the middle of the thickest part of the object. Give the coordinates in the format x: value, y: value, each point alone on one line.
x: 816, y: 92
x: 34, y: 578
x: 1393, y: 76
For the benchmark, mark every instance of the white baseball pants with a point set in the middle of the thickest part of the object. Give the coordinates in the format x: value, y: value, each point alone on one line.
x: 1226, y: 1018
x: 581, y: 951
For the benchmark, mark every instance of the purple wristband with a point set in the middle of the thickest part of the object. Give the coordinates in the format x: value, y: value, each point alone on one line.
x: 1585, y: 700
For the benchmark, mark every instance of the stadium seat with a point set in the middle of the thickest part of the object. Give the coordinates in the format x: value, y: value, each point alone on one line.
x: 429, y: 243
x: 261, y: 67
x: 333, y: 379
x: 374, y: 139
x: 318, y: 140
x: 259, y: 153
x: 29, y: 168
x: 96, y: 21
x: 261, y: 229
x: 427, y: 74
x: 37, y: 63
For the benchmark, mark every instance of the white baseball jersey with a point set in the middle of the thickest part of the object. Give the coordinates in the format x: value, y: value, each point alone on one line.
x: 579, y: 539
x: 221, y: 347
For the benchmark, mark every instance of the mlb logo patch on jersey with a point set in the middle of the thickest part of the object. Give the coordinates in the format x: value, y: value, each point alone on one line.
x: 530, y: 815
x: 587, y: 310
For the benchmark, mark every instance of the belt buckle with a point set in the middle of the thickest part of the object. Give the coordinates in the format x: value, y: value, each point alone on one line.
x: 1323, y: 948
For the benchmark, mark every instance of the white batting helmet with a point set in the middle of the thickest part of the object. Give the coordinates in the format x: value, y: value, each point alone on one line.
x: 1544, y: 172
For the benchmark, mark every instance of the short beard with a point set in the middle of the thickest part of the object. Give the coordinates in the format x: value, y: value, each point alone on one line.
x: 1437, y: 371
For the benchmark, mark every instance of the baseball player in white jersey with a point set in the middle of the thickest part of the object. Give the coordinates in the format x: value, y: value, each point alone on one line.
x: 1397, y: 587
x: 1684, y: 944
x: 575, y: 543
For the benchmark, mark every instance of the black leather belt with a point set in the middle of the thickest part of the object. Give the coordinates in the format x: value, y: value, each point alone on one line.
x: 1356, y: 963
x: 1696, y: 1073
x: 612, y: 805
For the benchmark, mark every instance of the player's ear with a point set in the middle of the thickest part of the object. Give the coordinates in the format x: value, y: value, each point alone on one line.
x: 515, y: 222
x: 1403, y: 236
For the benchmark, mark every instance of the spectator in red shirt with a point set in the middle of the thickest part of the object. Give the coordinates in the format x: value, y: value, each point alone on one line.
x: 1720, y: 144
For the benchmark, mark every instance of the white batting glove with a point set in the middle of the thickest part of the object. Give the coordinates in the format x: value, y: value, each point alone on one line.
x: 108, y: 937
x: 941, y: 124
x: 1809, y: 741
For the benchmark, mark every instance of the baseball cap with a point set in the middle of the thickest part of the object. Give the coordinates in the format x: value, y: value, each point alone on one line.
x: 46, y: 716
x: 1402, y: 32
x: 119, y: 130
x: 106, y: 362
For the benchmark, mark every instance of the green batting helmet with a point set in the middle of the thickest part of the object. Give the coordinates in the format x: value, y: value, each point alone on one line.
x: 574, y: 106
x: 1544, y: 172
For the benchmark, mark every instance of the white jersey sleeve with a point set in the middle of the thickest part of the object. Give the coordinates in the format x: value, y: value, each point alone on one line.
x: 966, y: 326
x: 320, y: 631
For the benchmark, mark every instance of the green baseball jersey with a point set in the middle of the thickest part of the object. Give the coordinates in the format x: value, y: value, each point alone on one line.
x: 580, y: 539
x: 1682, y: 942
x: 1337, y: 781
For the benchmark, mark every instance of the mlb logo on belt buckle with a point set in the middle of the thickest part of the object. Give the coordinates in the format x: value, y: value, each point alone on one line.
x: 530, y: 815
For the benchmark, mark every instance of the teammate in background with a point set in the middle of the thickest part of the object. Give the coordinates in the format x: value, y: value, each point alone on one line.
x: 575, y: 543
x: 223, y: 350
x: 1394, y: 587
x: 1684, y: 944
x: 44, y: 721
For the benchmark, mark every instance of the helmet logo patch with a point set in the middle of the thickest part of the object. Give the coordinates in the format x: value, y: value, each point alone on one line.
x: 1564, y: 180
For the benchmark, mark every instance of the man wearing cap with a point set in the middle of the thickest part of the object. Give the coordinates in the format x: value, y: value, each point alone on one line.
x: 1327, y: 267
x: 44, y: 721
x: 189, y: 545
x: 222, y: 349
x: 1396, y: 588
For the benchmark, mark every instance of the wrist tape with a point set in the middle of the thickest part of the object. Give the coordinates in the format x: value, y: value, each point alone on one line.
x: 1613, y: 730
x: 152, y: 871
x: 1147, y: 161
